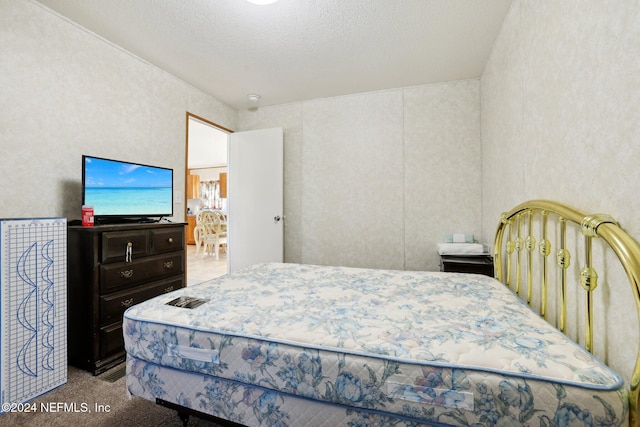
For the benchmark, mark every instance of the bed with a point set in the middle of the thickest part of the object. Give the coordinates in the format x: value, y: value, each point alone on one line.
x: 307, y: 345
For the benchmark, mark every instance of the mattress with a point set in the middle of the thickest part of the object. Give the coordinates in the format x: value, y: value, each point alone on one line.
x: 423, y: 347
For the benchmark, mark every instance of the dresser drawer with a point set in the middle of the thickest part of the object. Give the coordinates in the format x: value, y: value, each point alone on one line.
x: 115, y: 244
x: 111, y: 340
x: 112, y: 306
x: 127, y: 274
x: 167, y: 240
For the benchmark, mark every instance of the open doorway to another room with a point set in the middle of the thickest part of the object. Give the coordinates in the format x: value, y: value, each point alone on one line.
x: 206, y: 190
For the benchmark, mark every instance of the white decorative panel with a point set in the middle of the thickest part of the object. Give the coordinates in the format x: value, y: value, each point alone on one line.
x: 33, y: 308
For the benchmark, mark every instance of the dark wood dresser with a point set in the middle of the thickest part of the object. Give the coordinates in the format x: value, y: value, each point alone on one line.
x: 111, y: 268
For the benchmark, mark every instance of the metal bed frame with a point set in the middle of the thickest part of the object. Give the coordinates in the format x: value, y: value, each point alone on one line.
x: 534, y: 285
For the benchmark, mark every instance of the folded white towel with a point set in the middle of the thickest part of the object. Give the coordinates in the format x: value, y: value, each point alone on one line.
x: 461, y: 249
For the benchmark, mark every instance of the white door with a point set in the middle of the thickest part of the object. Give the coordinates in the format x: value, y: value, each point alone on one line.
x: 255, y: 191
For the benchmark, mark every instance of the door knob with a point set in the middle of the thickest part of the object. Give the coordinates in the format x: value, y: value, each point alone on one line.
x: 276, y: 219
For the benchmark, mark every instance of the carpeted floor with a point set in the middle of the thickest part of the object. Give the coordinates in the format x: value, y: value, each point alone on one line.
x: 106, y: 403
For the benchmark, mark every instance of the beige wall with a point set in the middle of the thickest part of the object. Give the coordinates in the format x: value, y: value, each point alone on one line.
x: 66, y: 92
x: 561, y: 120
x: 377, y: 179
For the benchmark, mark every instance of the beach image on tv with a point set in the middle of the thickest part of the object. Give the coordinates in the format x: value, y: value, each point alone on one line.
x: 120, y: 188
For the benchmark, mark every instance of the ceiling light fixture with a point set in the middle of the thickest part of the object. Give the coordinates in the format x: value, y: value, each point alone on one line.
x: 254, y: 98
x: 262, y: 2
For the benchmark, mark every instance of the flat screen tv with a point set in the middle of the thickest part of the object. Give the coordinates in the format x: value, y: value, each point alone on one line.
x: 125, y: 191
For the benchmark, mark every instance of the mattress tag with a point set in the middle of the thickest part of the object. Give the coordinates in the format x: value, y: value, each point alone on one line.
x: 431, y: 396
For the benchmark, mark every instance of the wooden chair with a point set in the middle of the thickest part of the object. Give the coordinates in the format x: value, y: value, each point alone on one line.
x: 210, y: 232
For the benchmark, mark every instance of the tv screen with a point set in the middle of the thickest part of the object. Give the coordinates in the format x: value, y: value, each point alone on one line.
x: 118, y: 189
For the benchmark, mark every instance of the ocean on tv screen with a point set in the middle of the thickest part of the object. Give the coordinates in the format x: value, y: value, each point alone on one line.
x: 139, y: 201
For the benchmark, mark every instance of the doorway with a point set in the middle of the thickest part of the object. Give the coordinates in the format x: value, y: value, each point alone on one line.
x: 206, y: 189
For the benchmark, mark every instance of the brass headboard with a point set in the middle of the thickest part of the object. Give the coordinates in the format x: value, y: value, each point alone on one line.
x: 520, y: 226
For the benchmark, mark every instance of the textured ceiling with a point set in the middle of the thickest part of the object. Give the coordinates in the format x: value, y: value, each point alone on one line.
x: 296, y: 50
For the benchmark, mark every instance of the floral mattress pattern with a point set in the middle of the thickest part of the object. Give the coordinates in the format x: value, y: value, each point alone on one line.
x: 420, y: 347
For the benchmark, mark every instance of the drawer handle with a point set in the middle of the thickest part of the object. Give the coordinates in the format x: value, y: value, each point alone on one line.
x: 127, y: 303
x: 128, y: 252
x: 170, y: 240
x: 126, y: 274
x: 168, y: 264
x: 168, y: 289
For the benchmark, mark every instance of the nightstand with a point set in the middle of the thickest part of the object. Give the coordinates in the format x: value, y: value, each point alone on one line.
x: 478, y: 264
